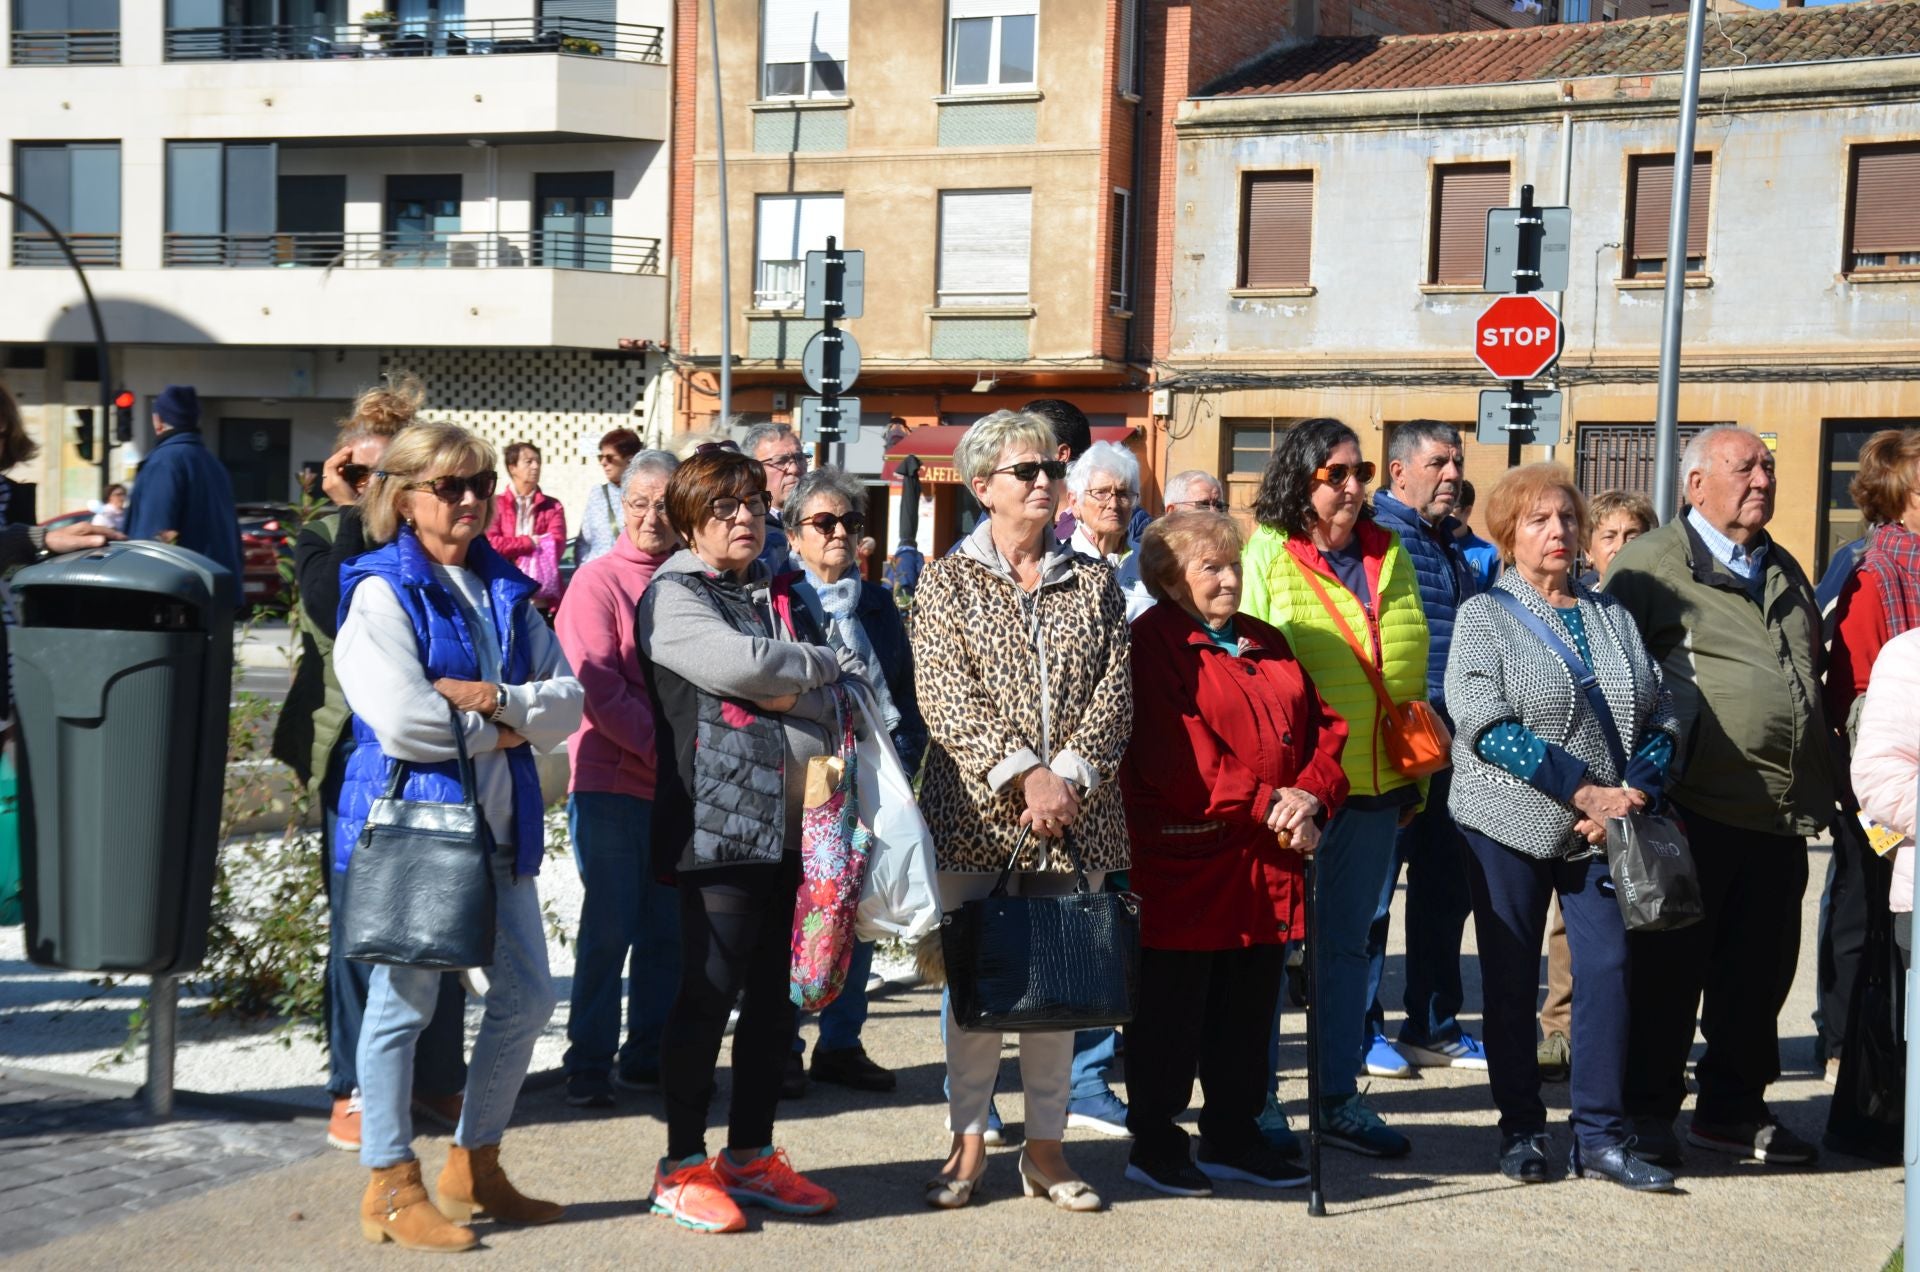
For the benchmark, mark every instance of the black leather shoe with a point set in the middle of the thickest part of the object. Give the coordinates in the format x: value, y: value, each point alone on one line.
x: 851, y: 1067
x: 1654, y: 1141
x: 1524, y: 1158
x: 793, y: 1083
x: 1616, y: 1164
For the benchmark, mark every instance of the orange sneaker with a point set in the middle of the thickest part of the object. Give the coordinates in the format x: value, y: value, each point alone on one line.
x: 770, y: 1180
x: 343, y: 1128
x: 694, y: 1197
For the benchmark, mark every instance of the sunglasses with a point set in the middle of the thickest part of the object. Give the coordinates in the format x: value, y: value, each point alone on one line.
x: 791, y: 463
x: 1337, y: 474
x: 1212, y: 505
x: 1055, y: 469
x: 451, y: 490
x: 612, y: 457
x: 726, y: 507
x: 355, y: 475
x: 824, y: 522
x: 713, y: 448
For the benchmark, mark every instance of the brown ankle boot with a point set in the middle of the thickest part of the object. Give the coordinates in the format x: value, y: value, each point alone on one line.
x: 473, y: 1181
x: 396, y: 1209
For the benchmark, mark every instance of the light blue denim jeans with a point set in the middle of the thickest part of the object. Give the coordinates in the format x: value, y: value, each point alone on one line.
x: 624, y: 908
x: 520, y: 1001
x: 1354, y: 859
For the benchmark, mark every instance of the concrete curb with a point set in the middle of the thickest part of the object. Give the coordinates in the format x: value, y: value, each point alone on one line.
x: 247, y: 1106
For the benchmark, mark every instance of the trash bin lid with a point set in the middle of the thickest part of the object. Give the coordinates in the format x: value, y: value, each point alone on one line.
x: 158, y: 569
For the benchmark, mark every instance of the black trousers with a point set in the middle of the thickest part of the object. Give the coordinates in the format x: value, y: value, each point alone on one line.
x: 1732, y: 970
x: 1843, y: 931
x: 1205, y: 1013
x: 736, y: 943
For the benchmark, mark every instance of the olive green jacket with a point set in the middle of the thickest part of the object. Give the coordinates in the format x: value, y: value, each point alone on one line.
x: 1744, y: 670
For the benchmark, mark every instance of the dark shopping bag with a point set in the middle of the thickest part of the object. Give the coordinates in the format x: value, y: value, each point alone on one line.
x: 1653, y: 873
x: 1865, y: 1115
x: 1016, y: 964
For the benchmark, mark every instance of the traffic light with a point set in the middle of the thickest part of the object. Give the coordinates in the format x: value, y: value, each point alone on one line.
x: 83, y: 436
x: 123, y: 417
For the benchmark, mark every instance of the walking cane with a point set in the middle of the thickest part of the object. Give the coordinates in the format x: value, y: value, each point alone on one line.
x: 1316, y: 1203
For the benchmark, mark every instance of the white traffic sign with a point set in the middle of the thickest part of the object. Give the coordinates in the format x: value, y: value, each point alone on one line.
x: 814, y: 360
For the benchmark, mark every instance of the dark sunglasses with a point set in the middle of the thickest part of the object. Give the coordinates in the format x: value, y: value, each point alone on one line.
x: 726, y: 507
x: 824, y: 522
x: 451, y: 490
x: 1055, y: 469
x: 709, y: 448
x: 1337, y: 474
x: 612, y: 457
x: 1212, y: 505
x: 355, y: 474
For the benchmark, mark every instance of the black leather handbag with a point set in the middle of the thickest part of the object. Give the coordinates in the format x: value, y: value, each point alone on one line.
x: 1043, y: 963
x: 420, y: 889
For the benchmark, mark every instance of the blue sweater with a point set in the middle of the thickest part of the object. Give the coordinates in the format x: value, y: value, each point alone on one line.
x: 1443, y: 574
x: 182, y: 487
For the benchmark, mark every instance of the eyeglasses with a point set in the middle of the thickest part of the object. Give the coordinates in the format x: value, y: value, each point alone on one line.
x: 1212, y: 505
x: 612, y: 457
x: 1110, y: 495
x: 1337, y: 474
x: 726, y: 507
x: 640, y: 507
x: 824, y: 522
x: 792, y: 462
x: 355, y: 475
x: 1028, y: 470
x: 451, y: 490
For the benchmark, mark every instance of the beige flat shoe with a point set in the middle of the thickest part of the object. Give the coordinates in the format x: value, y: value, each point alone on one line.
x: 1074, y: 1194
x: 944, y: 1193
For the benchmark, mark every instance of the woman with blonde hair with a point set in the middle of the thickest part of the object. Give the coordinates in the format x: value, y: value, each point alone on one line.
x: 437, y: 634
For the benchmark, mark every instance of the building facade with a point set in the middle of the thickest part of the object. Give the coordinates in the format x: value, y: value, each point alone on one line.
x: 279, y: 202
x: 1331, y: 213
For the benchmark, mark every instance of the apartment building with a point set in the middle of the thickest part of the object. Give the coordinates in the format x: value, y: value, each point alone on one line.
x: 279, y: 200
x: 1331, y: 210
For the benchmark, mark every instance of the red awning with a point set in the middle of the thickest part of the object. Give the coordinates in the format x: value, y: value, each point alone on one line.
x: 934, y: 444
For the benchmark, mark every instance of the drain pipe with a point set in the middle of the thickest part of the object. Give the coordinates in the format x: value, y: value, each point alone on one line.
x: 1566, y: 199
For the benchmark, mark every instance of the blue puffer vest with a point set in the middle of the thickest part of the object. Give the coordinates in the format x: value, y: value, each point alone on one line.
x: 445, y: 650
x: 1444, y: 577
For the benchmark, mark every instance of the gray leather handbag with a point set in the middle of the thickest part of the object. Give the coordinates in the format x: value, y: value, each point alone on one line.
x: 420, y: 889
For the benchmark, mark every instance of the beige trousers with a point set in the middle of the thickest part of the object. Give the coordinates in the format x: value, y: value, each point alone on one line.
x: 1556, y: 1014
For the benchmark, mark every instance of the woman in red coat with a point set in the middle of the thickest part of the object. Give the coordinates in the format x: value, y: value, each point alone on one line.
x: 529, y: 526
x: 1234, y: 767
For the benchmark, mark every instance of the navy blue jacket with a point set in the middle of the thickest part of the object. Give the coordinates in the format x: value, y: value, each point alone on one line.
x: 1444, y: 576
x: 182, y: 487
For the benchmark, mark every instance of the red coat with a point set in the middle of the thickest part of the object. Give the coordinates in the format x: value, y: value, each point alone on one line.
x: 536, y: 556
x: 1213, y: 734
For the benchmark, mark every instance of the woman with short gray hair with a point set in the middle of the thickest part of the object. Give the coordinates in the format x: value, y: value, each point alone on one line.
x: 1105, y: 483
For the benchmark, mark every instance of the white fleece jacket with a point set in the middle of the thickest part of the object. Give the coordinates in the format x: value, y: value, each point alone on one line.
x: 1886, y: 753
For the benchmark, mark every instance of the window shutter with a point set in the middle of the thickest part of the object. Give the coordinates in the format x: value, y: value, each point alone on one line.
x: 1653, y: 206
x: 1463, y: 193
x: 1127, y: 56
x: 986, y: 240
x: 990, y: 8
x: 1886, y: 199
x: 1118, y: 235
x: 803, y: 31
x: 580, y: 10
x: 1277, y: 222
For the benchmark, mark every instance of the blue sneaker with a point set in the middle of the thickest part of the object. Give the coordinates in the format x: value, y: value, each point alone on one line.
x: 1346, y: 1122
x: 1103, y: 1113
x: 1464, y: 1052
x: 1385, y: 1061
x: 1277, y: 1131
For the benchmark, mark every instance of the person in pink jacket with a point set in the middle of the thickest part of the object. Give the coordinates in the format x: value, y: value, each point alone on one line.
x: 529, y: 525
x: 610, y: 808
x: 1886, y: 765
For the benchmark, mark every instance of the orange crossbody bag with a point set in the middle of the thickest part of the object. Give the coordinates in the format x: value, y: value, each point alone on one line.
x: 1417, y: 741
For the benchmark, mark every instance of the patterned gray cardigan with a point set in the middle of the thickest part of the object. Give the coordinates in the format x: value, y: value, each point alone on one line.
x: 1499, y: 671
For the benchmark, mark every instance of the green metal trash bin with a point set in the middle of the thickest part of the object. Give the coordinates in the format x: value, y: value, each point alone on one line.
x: 123, y: 668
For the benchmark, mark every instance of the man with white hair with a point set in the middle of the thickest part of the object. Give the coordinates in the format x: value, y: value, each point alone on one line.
x: 1195, y: 490
x: 1731, y: 618
x: 1105, y: 484
x: 778, y: 449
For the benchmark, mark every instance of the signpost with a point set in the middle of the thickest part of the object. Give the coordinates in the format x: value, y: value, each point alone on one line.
x: 835, y: 290
x: 1520, y: 336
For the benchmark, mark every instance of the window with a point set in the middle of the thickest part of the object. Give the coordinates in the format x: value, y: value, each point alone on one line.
x: 803, y: 48
x: 576, y: 220
x: 990, y: 45
x: 1119, y: 239
x: 986, y: 240
x: 1620, y: 457
x: 1462, y: 195
x: 1127, y: 48
x: 791, y: 225
x: 423, y: 224
x: 222, y: 202
x: 66, y: 32
x: 1883, y: 221
x: 1276, y: 229
x: 1650, y: 206
x: 75, y: 185
x: 1250, y: 444
x: 1841, y: 519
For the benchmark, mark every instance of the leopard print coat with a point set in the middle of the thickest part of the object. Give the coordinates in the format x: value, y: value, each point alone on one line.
x: 1000, y: 672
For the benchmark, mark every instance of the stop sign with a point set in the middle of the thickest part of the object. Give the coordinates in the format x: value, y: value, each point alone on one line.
x: 1517, y: 337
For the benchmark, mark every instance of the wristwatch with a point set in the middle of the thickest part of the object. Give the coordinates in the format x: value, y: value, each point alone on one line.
x: 499, y: 715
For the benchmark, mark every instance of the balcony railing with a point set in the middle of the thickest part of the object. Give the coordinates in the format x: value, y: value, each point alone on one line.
x: 448, y: 37
x: 66, y: 48
x: 34, y: 249
x: 397, y: 249
x: 780, y: 285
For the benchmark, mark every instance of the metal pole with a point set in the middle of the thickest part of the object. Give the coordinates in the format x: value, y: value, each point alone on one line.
x: 1316, y: 1200
x: 163, y: 1018
x: 1667, y: 426
x: 726, y: 250
x: 103, y: 351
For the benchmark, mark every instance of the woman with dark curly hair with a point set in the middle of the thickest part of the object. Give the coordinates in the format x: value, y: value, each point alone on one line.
x: 1340, y: 588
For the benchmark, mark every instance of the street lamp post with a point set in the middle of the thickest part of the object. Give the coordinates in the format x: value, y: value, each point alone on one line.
x: 1666, y: 439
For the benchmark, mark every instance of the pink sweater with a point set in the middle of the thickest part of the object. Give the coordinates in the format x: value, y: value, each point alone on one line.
x: 613, y: 751
x: 1886, y: 753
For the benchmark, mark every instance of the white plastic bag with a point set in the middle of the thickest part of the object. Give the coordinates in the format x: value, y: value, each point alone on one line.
x: 901, y: 897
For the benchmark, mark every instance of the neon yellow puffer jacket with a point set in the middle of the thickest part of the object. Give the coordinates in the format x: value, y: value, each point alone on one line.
x: 1274, y: 588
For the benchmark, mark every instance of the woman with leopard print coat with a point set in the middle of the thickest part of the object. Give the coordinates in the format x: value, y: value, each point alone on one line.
x: 1022, y: 657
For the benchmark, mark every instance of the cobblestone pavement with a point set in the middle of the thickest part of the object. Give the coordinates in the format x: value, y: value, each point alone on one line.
x: 74, y: 1157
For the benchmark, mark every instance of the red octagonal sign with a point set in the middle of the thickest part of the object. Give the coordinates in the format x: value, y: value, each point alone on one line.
x: 1517, y: 337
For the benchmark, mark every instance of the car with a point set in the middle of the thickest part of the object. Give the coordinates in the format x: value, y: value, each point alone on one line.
x: 266, y: 538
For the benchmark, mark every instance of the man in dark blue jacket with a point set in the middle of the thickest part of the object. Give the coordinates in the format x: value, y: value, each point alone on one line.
x: 183, y: 494
x: 1424, y: 477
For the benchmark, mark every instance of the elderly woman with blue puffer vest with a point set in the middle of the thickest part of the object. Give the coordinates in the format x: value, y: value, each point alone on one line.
x: 437, y: 633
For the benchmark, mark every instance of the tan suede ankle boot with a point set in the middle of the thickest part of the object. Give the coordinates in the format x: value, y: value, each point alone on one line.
x: 473, y: 1181
x: 396, y: 1208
